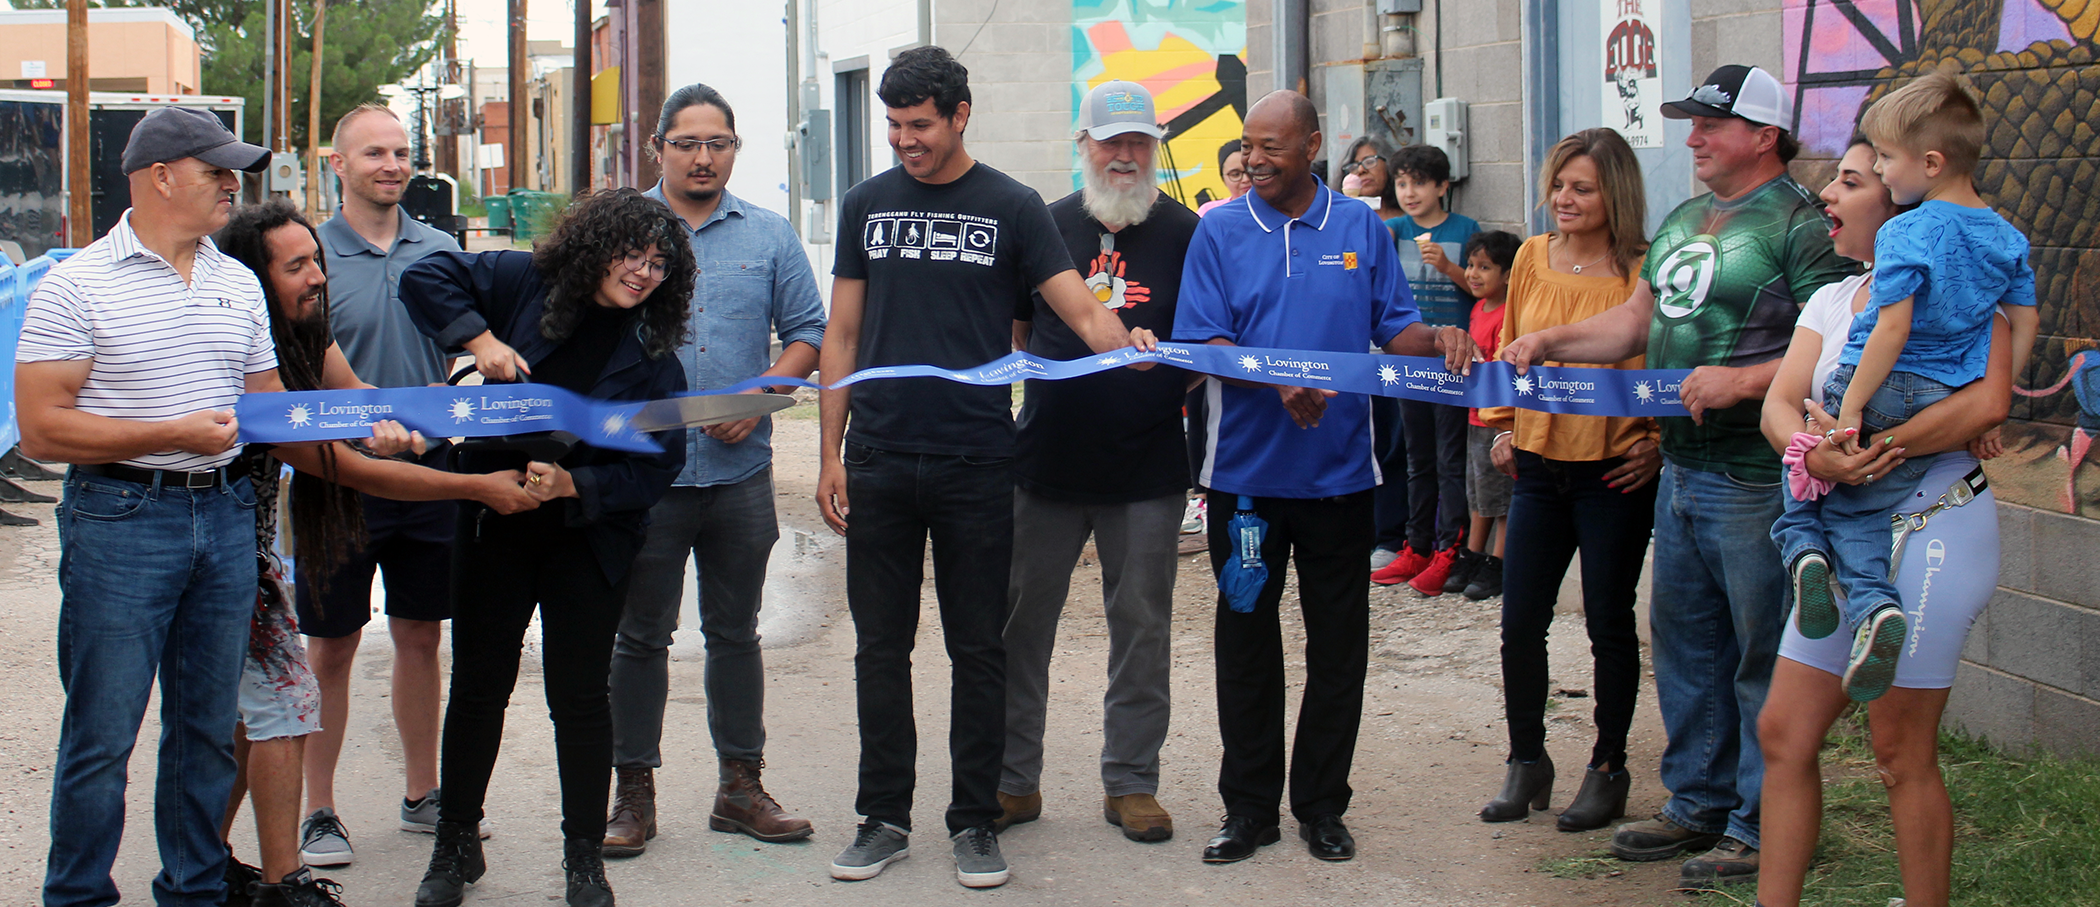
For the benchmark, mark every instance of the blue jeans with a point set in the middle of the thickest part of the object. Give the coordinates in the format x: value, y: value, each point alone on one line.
x: 153, y: 580
x: 1715, y: 613
x: 965, y: 507
x: 1850, y: 525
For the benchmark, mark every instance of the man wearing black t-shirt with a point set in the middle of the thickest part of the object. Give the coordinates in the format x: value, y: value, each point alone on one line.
x: 1103, y: 456
x: 934, y: 255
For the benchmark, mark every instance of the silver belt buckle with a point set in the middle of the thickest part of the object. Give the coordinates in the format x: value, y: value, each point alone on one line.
x: 205, y: 479
x: 1960, y: 493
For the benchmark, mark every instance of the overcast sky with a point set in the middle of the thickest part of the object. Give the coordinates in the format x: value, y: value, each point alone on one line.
x: 482, y: 26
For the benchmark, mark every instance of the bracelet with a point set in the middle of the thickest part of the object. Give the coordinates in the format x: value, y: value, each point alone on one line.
x: 1499, y: 437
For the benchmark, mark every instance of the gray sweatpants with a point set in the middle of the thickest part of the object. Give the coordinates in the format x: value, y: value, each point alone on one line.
x: 1136, y: 543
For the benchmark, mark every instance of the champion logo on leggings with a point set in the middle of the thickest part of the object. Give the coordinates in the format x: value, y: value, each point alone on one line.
x: 1935, y: 559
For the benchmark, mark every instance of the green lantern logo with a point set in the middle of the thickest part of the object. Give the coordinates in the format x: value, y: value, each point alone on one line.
x: 1685, y: 277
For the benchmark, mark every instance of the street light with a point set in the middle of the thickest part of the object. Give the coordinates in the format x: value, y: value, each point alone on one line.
x: 446, y: 92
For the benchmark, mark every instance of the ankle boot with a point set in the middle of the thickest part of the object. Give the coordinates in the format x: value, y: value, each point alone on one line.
x: 455, y: 863
x: 1602, y: 799
x: 1526, y: 784
x: 742, y: 805
x: 633, y: 820
x: 585, y: 868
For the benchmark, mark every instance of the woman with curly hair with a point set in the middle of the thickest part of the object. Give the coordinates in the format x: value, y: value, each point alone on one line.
x: 597, y: 308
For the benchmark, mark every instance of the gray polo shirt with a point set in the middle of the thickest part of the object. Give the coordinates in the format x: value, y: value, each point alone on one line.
x: 364, y: 303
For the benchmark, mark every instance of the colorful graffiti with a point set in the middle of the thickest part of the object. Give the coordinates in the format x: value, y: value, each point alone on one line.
x: 1191, y: 55
x: 2033, y: 62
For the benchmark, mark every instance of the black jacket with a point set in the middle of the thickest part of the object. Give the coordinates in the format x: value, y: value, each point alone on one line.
x: 454, y: 296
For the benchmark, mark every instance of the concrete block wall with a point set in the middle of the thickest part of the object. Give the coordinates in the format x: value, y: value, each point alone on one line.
x: 1020, y: 60
x: 2030, y: 673
x: 1473, y: 51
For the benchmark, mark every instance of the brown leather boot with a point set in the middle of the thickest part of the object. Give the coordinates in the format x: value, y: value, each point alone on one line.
x: 633, y: 820
x: 742, y: 805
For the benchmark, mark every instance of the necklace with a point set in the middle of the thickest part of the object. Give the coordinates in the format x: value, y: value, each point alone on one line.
x: 1588, y: 264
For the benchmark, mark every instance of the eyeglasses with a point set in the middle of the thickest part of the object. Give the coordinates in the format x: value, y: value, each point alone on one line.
x: 716, y: 147
x: 646, y: 266
x: 1363, y: 164
x: 1235, y: 174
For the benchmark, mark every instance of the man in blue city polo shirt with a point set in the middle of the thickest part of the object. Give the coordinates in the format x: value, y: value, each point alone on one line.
x: 1293, y: 265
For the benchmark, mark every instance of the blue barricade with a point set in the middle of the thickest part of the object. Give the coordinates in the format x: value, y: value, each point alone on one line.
x: 16, y: 284
x: 12, y: 304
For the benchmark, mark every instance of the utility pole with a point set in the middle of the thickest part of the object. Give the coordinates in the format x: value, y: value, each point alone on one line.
x: 449, y: 126
x: 580, y: 103
x: 313, y: 116
x: 520, y: 106
x: 80, y: 212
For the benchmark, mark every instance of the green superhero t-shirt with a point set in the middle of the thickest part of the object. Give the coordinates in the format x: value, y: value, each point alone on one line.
x: 1729, y: 280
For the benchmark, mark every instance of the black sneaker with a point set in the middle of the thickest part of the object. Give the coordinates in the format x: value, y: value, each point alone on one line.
x: 239, y: 876
x: 1463, y: 567
x: 300, y: 889
x: 1487, y: 579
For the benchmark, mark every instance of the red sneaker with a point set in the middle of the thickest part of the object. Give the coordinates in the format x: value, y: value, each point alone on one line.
x: 1402, y: 569
x: 1430, y: 581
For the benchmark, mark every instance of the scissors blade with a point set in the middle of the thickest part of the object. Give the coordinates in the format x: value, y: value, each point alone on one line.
x: 690, y: 412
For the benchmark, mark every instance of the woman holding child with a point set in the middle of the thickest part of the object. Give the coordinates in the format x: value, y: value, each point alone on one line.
x: 1950, y: 560
x: 1583, y: 483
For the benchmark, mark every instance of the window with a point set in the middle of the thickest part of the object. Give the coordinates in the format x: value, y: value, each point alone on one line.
x: 850, y: 94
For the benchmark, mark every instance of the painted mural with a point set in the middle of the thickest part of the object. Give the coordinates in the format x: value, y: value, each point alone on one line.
x: 2033, y: 63
x: 1191, y: 54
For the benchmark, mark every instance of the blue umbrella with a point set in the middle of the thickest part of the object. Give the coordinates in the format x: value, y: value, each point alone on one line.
x: 1244, y: 573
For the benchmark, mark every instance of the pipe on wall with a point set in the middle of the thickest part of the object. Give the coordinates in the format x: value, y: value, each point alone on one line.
x: 1291, y: 21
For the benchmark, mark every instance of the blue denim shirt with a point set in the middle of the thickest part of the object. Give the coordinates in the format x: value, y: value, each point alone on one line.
x: 753, y: 282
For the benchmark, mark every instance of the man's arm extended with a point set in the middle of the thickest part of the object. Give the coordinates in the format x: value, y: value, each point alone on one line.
x: 1613, y: 335
x: 1094, y: 323
x: 53, y: 427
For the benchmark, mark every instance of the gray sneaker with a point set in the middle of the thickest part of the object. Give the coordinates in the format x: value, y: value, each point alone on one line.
x: 323, y: 842
x: 423, y: 817
x: 876, y: 844
x: 977, y: 860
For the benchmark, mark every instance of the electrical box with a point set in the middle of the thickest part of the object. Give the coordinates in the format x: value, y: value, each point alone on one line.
x: 1378, y: 98
x: 285, y: 173
x: 813, y: 154
x: 1444, y: 126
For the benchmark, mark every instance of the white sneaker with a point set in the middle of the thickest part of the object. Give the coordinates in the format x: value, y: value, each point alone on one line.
x: 1193, y: 520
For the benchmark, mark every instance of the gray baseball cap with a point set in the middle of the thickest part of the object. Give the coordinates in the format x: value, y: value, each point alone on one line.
x: 174, y: 133
x: 1114, y: 108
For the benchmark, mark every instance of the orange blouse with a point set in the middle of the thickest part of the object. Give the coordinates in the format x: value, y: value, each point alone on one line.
x: 1540, y: 298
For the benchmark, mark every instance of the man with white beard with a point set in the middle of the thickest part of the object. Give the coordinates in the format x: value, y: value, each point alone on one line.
x: 1103, y: 456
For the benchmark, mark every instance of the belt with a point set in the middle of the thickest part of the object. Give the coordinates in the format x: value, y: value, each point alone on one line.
x: 169, y: 478
x: 1901, y: 525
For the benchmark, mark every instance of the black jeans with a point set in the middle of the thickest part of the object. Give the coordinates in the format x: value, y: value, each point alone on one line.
x: 965, y: 505
x: 504, y: 568
x: 1326, y: 539
x: 1558, y: 508
x: 1437, y: 514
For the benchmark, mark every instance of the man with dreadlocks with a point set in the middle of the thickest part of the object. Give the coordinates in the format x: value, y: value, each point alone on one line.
x: 599, y: 309
x: 279, y: 697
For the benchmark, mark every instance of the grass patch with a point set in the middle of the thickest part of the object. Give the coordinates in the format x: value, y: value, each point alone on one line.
x: 1590, y: 867
x: 2026, y: 830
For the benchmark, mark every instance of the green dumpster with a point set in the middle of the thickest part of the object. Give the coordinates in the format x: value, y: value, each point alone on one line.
x: 532, y: 212
x: 499, y: 212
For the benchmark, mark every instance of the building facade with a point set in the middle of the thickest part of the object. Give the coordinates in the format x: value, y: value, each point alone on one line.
x: 148, y: 50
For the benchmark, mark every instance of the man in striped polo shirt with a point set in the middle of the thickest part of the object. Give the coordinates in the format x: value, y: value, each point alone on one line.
x: 133, y: 354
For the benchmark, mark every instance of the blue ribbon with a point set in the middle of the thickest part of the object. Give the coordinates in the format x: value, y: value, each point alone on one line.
x: 1553, y: 389
x: 506, y: 409
x: 440, y: 412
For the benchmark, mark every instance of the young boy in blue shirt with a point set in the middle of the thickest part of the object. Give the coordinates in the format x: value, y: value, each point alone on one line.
x: 1940, y: 271
x: 1428, y: 239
